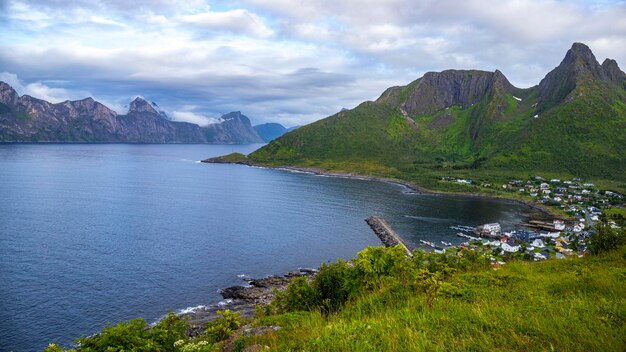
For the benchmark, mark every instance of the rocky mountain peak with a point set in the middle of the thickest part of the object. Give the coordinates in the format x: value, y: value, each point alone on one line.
x: 236, y: 115
x: 84, y: 103
x: 8, y: 95
x: 161, y: 112
x: 579, y: 58
x: 580, y: 49
x: 578, y: 67
x: 88, y: 106
x: 140, y: 105
x: 439, y: 90
x: 612, y: 71
x: 500, y: 82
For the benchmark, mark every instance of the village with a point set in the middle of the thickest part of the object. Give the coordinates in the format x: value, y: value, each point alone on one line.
x: 582, y: 201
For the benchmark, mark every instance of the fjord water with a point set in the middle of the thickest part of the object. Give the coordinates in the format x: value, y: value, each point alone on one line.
x: 91, y: 234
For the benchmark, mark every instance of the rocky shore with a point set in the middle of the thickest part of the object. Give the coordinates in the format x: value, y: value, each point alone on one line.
x: 242, y: 298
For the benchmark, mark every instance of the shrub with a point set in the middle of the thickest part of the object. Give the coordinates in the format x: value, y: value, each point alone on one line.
x: 53, y: 347
x: 220, y: 329
x: 299, y: 296
x: 429, y: 283
x: 134, y: 335
x: 330, y: 286
x: 374, y: 263
x: 169, y: 330
x: 606, y: 239
x: 375, y: 267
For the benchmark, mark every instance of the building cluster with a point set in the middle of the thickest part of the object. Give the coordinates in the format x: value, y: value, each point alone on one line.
x: 540, y: 240
x: 463, y: 181
x: 551, y: 239
x: 564, y: 193
x: 581, y: 200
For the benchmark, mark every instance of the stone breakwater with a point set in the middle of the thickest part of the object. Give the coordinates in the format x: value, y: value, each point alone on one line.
x: 386, y: 234
x: 242, y: 298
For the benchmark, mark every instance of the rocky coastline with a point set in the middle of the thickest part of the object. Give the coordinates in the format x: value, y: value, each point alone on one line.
x: 242, y: 298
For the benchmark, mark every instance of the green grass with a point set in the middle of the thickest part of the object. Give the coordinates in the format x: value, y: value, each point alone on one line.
x: 563, y: 305
x: 233, y: 158
x: 615, y: 211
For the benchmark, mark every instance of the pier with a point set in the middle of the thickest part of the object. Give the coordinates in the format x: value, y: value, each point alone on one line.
x: 386, y: 235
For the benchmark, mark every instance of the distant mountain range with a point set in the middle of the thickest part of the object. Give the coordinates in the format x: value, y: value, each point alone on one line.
x: 28, y: 119
x: 573, y: 122
x: 271, y: 131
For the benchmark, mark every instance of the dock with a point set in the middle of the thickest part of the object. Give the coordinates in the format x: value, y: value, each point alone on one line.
x: 543, y: 225
x: 386, y: 235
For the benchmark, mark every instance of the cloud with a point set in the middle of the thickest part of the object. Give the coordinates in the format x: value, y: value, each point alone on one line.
x: 40, y: 90
x: 236, y: 21
x: 188, y: 116
x: 279, y: 62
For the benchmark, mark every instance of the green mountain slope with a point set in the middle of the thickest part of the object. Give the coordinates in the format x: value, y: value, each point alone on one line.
x: 456, y: 121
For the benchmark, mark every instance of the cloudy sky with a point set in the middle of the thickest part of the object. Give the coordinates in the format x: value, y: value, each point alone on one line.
x: 288, y: 61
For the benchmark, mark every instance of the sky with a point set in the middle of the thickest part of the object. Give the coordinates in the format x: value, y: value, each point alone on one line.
x: 291, y: 62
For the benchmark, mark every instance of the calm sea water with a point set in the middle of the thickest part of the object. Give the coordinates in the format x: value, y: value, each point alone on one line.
x: 91, y: 234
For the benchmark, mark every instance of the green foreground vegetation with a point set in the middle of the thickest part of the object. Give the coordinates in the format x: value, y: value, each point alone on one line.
x: 455, y: 301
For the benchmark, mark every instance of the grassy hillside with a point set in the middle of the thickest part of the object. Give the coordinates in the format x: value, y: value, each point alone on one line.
x: 385, y: 301
x: 562, y: 305
x: 585, y: 137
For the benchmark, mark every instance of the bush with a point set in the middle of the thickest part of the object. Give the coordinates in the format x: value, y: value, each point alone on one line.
x: 220, y: 329
x: 299, y: 296
x: 606, y: 239
x: 330, y: 286
x: 169, y: 330
x: 374, y: 267
x: 375, y: 263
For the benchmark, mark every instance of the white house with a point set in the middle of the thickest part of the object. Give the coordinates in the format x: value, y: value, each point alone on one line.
x: 511, y: 246
x: 492, y: 229
x: 559, y: 224
x: 538, y: 243
x: 551, y: 235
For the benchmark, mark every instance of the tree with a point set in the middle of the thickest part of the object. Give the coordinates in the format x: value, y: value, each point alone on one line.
x: 606, y: 239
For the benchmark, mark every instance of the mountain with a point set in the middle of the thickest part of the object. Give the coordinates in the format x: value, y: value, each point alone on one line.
x: 270, y: 131
x: 28, y: 119
x: 234, y: 128
x: 469, y: 121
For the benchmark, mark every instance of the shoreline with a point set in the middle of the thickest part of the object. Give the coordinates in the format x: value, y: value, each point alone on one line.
x: 411, y: 186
